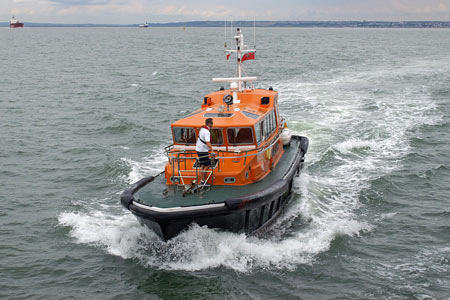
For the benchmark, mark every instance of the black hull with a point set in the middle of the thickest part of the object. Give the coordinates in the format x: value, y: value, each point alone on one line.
x: 248, y: 214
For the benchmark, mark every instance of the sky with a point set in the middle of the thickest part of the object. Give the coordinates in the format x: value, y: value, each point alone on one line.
x: 140, y: 11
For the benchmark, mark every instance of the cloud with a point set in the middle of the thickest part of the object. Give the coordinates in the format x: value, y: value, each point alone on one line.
x: 213, y: 12
x: 80, y: 2
x: 132, y: 11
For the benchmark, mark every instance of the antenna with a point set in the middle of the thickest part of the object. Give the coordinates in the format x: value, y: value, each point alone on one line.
x: 231, y: 33
x: 225, y: 22
x: 254, y: 33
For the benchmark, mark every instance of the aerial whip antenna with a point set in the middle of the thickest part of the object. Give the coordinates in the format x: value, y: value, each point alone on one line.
x: 225, y: 22
x: 254, y: 33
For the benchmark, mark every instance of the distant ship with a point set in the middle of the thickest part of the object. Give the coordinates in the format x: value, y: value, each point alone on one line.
x: 14, y: 23
x: 143, y: 25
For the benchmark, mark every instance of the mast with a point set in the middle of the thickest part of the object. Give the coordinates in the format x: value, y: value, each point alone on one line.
x: 240, y: 50
x: 239, y: 44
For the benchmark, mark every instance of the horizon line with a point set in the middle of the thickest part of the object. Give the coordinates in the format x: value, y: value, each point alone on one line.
x: 260, y: 23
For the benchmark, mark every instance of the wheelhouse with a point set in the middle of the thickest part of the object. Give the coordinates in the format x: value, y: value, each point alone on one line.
x: 245, y: 123
x: 245, y: 137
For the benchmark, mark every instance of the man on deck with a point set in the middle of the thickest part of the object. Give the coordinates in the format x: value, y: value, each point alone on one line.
x: 202, y: 147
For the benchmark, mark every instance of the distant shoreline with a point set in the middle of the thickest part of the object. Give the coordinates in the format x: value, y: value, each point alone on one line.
x: 307, y: 24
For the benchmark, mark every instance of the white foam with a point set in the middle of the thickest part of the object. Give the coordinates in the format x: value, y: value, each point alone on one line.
x: 150, y: 165
x: 386, y: 216
x: 355, y: 144
x: 202, y: 248
x: 123, y: 147
x: 116, y: 234
x: 199, y: 247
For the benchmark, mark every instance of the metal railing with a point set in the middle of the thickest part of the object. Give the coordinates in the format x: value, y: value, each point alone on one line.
x: 177, y: 167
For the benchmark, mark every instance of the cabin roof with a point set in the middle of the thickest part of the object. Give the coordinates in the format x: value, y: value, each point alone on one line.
x: 247, y: 112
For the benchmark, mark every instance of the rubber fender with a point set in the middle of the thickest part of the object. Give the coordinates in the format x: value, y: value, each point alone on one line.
x: 126, y: 199
x: 127, y: 196
x: 304, y: 143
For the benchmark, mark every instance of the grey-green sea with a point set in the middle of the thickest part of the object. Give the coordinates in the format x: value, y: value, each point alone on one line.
x: 85, y: 112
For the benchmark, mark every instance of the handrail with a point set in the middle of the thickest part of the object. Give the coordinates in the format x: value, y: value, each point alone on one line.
x: 176, y: 159
x: 258, y: 150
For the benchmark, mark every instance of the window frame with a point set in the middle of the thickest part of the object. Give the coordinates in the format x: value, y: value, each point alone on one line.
x: 267, y: 126
x: 258, y: 133
x: 236, y: 144
x: 220, y: 129
x: 184, y: 143
x: 273, y: 120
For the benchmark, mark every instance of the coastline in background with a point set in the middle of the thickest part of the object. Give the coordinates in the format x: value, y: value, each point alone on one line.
x: 325, y: 24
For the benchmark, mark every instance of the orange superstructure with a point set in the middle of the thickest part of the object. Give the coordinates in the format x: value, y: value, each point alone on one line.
x: 245, y: 136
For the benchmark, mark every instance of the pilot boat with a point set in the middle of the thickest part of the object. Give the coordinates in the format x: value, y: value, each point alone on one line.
x: 251, y: 176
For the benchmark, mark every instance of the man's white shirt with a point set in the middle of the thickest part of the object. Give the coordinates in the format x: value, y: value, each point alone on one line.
x: 206, y: 137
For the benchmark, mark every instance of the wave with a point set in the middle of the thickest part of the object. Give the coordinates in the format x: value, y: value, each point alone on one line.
x: 199, y: 247
x: 355, y: 144
x: 150, y: 165
x: 202, y: 248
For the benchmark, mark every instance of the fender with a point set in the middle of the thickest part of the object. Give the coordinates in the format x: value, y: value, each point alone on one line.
x: 304, y: 144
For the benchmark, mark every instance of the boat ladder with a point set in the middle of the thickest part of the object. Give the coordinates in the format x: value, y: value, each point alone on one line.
x: 180, y: 167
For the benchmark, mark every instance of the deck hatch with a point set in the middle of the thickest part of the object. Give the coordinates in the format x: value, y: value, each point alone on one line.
x: 250, y: 115
x: 218, y: 115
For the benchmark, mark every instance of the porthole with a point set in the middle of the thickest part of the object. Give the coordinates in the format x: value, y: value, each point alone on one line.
x: 229, y: 180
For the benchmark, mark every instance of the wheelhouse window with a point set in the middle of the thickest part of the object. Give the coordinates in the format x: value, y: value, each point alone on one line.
x: 183, y: 135
x: 274, y: 120
x: 258, y: 132
x: 266, y: 127
x: 216, y: 136
x: 277, y: 117
x: 240, y: 136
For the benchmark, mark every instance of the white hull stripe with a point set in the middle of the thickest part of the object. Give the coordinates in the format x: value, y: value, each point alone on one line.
x: 179, y: 208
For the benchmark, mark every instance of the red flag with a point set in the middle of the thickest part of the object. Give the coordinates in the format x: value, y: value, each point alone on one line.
x: 228, y: 56
x: 250, y: 55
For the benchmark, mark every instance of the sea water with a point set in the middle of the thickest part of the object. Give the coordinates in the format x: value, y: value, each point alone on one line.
x: 85, y: 112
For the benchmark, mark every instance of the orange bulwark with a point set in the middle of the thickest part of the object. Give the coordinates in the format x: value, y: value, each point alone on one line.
x: 245, y: 139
